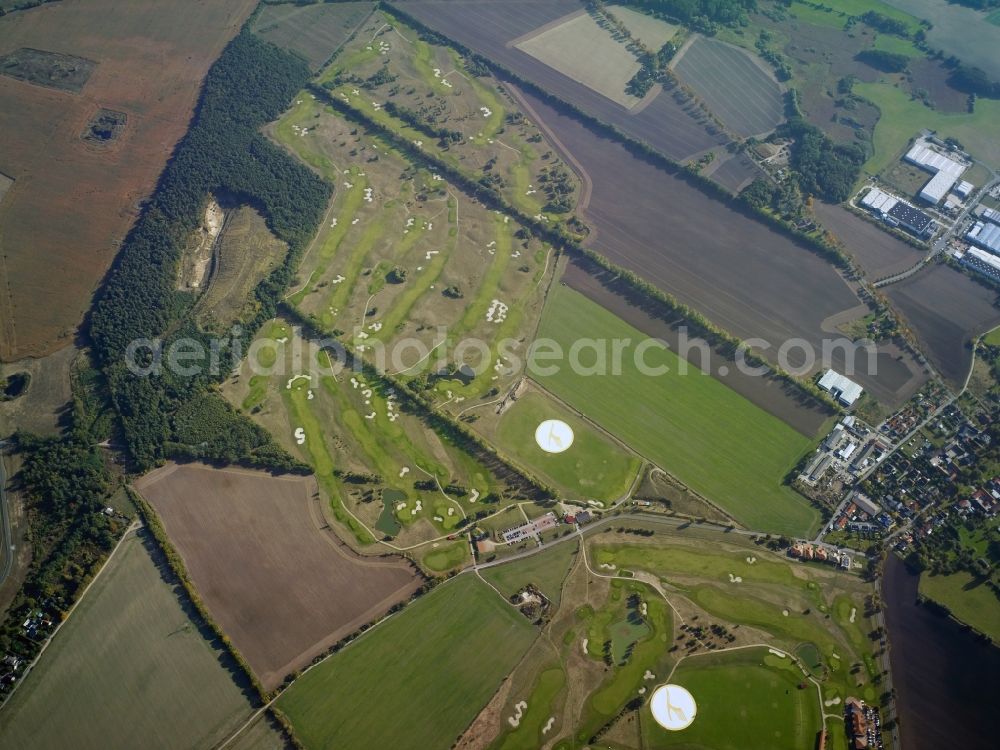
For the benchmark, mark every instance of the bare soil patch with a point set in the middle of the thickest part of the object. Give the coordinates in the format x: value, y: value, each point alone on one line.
x: 877, y: 252
x: 946, y: 310
x: 271, y: 571
x: 72, y: 204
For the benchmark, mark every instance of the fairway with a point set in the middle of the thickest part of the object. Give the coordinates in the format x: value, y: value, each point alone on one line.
x: 546, y: 571
x: 747, y: 700
x: 733, y: 85
x: 594, y: 467
x: 690, y: 424
x: 416, y: 681
x: 121, y: 672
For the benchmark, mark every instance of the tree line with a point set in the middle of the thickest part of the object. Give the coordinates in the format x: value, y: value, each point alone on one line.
x: 248, y: 86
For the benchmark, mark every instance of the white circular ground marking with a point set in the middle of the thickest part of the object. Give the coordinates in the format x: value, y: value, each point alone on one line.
x: 554, y: 436
x: 673, y: 707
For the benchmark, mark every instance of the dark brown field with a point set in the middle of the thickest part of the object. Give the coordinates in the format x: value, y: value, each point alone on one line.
x: 490, y: 28
x: 73, y: 202
x: 877, y: 252
x: 946, y: 310
x: 743, y: 276
x: 272, y: 573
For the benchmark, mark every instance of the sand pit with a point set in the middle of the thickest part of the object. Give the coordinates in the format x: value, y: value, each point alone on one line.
x: 519, y: 708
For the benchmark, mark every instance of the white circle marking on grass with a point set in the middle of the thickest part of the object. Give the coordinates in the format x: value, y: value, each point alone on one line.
x: 554, y: 436
x: 673, y: 707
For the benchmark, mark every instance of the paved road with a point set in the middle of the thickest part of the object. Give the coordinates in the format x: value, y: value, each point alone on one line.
x: 941, y: 243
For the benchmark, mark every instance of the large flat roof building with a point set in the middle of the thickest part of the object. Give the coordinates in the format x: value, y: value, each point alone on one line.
x: 945, y: 169
x: 983, y: 262
x: 840, y: 387
x: 985, y: 235
x: 897, y: 212
x: 912, y: 218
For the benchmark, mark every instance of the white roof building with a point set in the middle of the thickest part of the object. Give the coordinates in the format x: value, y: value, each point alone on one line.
x: 840, y: 387
x: 963, y: 189
x: 985, y: 235
x: 879, y: 200
x: 946, y: 170
x: 937, y: 187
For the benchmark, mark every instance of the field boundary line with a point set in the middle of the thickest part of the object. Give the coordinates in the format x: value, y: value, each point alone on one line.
x: 132, y: 527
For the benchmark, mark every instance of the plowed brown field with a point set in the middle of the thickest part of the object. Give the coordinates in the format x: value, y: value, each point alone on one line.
x: 263, y: 558
x: 72, y: 203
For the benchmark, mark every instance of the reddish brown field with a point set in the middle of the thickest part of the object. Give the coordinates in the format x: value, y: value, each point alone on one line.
x: 264, y: 559
x: 72, y: 203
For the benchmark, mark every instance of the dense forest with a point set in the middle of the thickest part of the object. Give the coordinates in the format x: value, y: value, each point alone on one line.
x: 700, y: 14
x: 249, y: 85
x: 825, y: 169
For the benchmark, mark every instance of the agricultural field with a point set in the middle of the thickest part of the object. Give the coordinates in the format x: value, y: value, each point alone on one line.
x: 596, y: 467
x: 747, y: 699
x: 945, y: 309
x: 59, y: 234
x: 134, y: 642
x: 969, y: 599
x: 261, y: 554
x: 443, y: 657
x: 675, y: 127
x: 49, y: 389
x: 875, y: 250
x: 691, y: 425
x: 735, y: 86
x: 383, y: 470
x: 581, y: 48
x: 314, y: 32
x: 770, y: 394
x: 744, y: 277
x: 245, y: 252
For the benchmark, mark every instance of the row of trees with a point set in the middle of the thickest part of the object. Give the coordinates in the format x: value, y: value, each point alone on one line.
x: 249, y: 85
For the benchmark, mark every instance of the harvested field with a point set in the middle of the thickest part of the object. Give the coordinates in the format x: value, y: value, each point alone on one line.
x: 770, y: 394
x: 73, y: 202
x: 314, y: 32
x: 492, y: 28
x: 735, y: 86
x: 946, y: 310
x: 581, y: 49
x: 131, y: 668
x: 876, y: 251
x: 246, y: 253
x: 418, y: 680
x: 272, y: 573
x: 49, y: 392
x: 735, y: 172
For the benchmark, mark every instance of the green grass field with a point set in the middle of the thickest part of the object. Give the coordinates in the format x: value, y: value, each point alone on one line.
x: 747, y: 700
x: 417, y: 680
x: 594, y: 467
x: 973, y: 604
x: 123, y: 670
x: 546, y: 570
x: 902, y: 118
x: 691, y: 425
